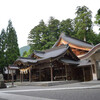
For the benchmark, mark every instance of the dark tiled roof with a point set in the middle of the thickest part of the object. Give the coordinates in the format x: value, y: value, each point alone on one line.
x: 74, y: 41
x: 12, y: 67
x: 84, y: 63
x: 45, y: 55
x: 53, y: 52
x: 79, y: 63
x: 25, y: 60
x: 69, y: 61
x: 91, y: 52
x: 48, y: 54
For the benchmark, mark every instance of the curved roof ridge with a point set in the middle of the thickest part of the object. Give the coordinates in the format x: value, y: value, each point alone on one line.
x: 55, y: 48
x: 51, y: 51
x: 73, y: 40
x: 63, y: 34
x: 91, y: 52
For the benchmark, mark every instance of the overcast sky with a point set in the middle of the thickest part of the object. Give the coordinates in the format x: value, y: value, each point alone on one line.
x: 25, y: 14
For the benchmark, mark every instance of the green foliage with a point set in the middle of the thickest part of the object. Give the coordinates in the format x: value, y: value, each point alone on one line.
x: 24, y: 48
x: 92, y: 38
x: 66, y: 26
x: 97, y: 21
x: 2, y: 49
x: 44, y: 36
x: 12, y: 52
x: 83, y: 22
x: 9, y: 50
x: 36, y: 36
x: 53, y: 29
x: 97, y: 17
x: 24, y: 54
x: 97, y: 40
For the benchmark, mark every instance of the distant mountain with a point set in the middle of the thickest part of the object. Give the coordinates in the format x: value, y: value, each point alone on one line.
x: 24, y: 48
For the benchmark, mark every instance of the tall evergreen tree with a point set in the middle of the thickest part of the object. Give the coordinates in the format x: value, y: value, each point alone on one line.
x: 97, y: 21
x: 34, y: 38
x: 53, y: 29
x: 83, y: 22
x: 44, y: 36
x: 12, y: 51
x: 2, y: 50
x: 37, y: 35
x: 66, y: 26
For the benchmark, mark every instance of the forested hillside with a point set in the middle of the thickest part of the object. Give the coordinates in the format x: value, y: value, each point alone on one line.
x: 24, y: 49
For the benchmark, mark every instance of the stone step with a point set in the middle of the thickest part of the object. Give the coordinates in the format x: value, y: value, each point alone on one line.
x: 46, y: 83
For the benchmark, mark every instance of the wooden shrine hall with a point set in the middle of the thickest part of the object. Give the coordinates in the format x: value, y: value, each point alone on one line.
x: 61, y: 62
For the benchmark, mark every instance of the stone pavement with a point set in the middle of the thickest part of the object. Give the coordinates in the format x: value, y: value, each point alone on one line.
x: 8, y: 94
x: 55, y: 84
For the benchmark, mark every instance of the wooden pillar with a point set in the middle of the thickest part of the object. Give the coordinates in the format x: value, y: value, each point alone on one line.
x: 92, y: 76
x: 51, y: 68
x: 8, y: 74
x: 62, y: 70
x: 83, y: 74
x: 95, y: 68
x: 20, y: 77
x: 40, y: 74
x: 30, y: 75
x: 12, y: 78
x: 66, y: 71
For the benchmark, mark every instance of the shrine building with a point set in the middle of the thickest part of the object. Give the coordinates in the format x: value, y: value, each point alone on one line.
x: 68, y: 59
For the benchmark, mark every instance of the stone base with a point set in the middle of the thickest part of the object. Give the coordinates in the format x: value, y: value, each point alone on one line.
x: 2, y: 85
x: 45, y: 83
